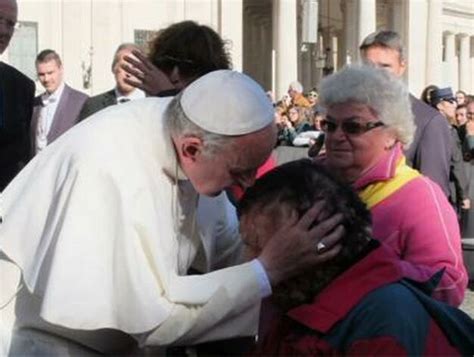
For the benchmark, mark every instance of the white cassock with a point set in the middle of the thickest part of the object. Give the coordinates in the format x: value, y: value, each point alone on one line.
x: 103, y: 226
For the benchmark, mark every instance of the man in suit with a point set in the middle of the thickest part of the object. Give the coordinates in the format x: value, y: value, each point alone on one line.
x: 122, y: 93
x: 57, y: 109
x: 430, y: 152
x: 16, y: 103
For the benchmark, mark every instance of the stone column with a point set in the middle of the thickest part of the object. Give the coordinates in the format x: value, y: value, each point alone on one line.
x: 285, y: 44
x: 231, y: 28
x: 350, y: 52
x: 334, y: 51
x: 464, y: 63
x: 366, y: 20
x: 450, y: 50
x: 434, y: 43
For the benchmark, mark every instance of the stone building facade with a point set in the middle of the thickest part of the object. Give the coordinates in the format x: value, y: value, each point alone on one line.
x: 275, y: 41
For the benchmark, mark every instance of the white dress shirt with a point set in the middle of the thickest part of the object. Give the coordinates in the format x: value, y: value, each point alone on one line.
x: 136, y: 94
x: 46, y: 116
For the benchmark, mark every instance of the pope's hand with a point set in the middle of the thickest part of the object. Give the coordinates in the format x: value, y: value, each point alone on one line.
x: 294, y: 248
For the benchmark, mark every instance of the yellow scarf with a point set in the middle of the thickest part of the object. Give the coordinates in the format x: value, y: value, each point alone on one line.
x: 377, y: 192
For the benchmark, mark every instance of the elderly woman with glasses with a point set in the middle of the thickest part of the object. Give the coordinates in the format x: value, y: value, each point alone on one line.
x: 368, y: 124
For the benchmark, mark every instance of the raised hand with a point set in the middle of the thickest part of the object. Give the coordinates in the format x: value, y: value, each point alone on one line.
x: 145, y: 75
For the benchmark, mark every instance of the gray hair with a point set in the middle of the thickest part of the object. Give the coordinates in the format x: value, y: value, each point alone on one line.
x: 377, y: 88
x: 386, y: 39
x: 296, y: 86
x: 178, y: 124
x: 124, y: 46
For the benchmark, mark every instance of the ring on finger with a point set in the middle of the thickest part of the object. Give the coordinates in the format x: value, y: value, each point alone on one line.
x: 320, y: 247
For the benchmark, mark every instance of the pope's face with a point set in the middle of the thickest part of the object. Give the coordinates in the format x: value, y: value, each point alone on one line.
x: 234, y: 164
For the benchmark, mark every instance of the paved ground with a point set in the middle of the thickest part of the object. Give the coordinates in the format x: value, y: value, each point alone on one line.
x: 468, y: 304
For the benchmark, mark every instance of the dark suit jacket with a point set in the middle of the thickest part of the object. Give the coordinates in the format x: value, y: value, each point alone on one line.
x: 431, y: 150
x: 16, y: 93
x: 67, y: 114
x: 98, y: 102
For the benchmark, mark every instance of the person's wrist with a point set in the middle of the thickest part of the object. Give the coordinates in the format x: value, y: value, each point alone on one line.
x: 274, y: 274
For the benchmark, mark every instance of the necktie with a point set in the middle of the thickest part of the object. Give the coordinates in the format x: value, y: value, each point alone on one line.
x: 123, y: 100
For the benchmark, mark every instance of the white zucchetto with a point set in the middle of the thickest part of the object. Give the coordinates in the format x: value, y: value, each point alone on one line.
x: 239, y: 105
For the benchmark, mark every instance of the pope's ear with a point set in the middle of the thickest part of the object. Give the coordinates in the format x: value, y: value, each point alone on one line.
x: 191, y: 147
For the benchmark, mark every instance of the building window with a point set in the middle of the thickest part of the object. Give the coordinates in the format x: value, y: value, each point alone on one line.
x: 142, y: 37
x: 23, y: 48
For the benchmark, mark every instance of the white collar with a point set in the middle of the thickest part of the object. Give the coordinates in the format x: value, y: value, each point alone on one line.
x: 135, y: 94
x: 53, y: 97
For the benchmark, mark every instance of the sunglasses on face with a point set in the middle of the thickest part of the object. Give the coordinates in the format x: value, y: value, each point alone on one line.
x: 167, y: 63
x: 349, y: 127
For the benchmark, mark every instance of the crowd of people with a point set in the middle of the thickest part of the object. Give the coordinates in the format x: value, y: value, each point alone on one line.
x: 133, y: 225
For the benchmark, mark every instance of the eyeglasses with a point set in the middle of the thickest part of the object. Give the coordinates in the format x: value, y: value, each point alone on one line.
x: 167, y: 63
x: 349, y: 127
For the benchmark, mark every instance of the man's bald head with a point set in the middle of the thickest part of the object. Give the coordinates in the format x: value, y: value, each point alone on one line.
x: 8, y: 19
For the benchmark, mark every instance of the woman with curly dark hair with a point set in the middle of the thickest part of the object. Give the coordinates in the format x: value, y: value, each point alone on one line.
x: 178, y: 55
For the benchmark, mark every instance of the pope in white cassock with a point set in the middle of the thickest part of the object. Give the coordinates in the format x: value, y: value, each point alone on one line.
x: 100, y: 229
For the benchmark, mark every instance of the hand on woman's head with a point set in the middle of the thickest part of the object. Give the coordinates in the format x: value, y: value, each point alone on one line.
x: 145, y: 75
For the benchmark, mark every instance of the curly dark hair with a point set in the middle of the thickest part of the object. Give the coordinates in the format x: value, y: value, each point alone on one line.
x: 298, y: 185
x: 195, y: 49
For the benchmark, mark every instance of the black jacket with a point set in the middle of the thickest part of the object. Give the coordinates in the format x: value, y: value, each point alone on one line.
x: 16, y: 105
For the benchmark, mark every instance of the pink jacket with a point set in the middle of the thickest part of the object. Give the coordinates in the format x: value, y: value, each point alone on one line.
x: 420, y: 224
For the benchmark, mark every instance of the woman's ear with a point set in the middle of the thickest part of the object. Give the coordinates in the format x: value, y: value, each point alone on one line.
x: 390, y: 141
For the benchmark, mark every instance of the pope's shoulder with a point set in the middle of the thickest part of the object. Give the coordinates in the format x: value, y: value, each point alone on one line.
x: 117, y: 130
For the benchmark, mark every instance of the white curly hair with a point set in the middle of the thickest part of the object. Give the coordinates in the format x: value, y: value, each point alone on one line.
x: 376, y: 88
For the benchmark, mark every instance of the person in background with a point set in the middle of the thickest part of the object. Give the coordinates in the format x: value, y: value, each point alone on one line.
x: 430, y: 151
x: 57, y: 109
x: 295, y: 91
x: 17, y: 94
x: 312, y: 313
x: 461, y: 115
x: 461, y: 97
x: 443, y: 100
x: 467, y: 139
x: 298, y: 123
x: 313, y: 97
x: 178, y: 54
x: 122, y: 93
x: 368, y: 123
